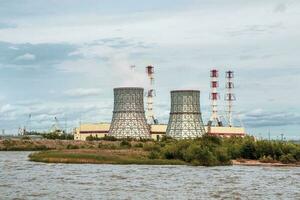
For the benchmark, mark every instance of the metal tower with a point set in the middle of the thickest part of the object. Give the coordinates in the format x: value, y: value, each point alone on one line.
x: 214, y: 96
x: 150, y: 95
x: 229, y: 96
x: 129, y: 115
x: 185, y: 117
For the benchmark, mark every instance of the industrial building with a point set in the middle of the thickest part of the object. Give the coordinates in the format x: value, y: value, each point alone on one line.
x: 157, y: 131
x: 129, y: 118
x: 185, y: 121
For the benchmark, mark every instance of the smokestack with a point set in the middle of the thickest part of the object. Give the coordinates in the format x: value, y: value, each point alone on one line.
x: 214, y: 97
x: 230, y: 96
x: 150, y: 96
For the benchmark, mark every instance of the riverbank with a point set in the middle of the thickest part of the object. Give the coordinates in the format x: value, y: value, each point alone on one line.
x: 101, y: 156
x: 243, y: 162
x: 204, y: 151
x: 45, y: 144
x: 125, y: 157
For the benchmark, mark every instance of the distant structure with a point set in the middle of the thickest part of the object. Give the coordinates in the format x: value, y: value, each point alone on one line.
x: 229, y: 96
x: 129, y: 115
x: 185, y: 117
x: 215, y: 126
x: 214, y: 97
x: 150, y: 95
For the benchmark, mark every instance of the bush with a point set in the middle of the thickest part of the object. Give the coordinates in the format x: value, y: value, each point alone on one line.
x: 153, y: 155
x: 58, y: 136
x: 125, y: 143
x: 139, y: 145
x: 267, y: 159
x: 288, y: 158
x: 248, y: 150
x: 203, y: 156
x: 109, y: 138
x: 296, y: 153
x: 26, y: 138
x: 71, y: 146
x: 151, y: 147
x: 222, y: 155
x: 92, y: 138
x: 107, y: 146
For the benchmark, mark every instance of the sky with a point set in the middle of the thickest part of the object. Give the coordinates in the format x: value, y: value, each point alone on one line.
x: 62, y: 58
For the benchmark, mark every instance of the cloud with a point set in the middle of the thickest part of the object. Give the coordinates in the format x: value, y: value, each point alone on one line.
x: 35, y: 54
x: 7, y: 25
x: 83, y: 92
x: 13, y: 116
x: 111, y: 59
x: 26, y: 57
x: 263, y: 118
x: 280, y: 8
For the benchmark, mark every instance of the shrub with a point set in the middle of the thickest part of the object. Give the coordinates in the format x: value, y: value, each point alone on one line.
x: 248, y: 150
x: 267, y: 159
x: 288, y: 158
x: 125, y: 143
x: 71, y: 146
x: 234, y: 151
x: 26, y: 138
x: 59, y: 136
x: 92, y: 138
x: 205, y: 157
x: 176, y: 150
x: 107, y: 146
x: 153, y: 155
x: 109, y: 138
x: 139, y: 145
x: 296, y: 153
x: 222, y: 155
x: 151, y: 147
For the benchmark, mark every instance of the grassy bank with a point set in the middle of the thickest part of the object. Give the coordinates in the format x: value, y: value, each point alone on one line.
x: 205, y: 151
x: 44, y: 144
x: 100, y: 156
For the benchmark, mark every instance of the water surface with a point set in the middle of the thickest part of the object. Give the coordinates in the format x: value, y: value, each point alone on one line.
x: 22, y: 179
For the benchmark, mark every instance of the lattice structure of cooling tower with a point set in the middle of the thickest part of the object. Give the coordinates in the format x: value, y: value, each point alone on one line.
x: 129, y: 115
x: 185, y: 119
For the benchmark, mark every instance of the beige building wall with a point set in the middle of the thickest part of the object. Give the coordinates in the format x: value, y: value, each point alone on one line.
x: 95, y: 129
x: 157, y: 131
x: 226, y: 131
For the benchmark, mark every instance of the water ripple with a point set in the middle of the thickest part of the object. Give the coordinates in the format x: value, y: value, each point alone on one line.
x: 21, y: 179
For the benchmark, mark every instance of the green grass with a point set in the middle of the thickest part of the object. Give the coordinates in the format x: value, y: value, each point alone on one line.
x: 98, y: 157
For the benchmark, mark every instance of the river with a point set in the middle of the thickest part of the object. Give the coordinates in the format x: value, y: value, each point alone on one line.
x: 22, y: 179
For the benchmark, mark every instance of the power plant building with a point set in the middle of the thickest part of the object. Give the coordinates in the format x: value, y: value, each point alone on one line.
x: 129, y: 118
x: 100, y: 130
x: 185, y: 119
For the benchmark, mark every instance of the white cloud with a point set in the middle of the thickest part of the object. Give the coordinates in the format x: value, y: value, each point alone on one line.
x: 83, y: 92
x: 26, y: 57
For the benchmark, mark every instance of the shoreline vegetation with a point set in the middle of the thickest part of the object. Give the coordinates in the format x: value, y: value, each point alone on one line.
x: 205, y: 151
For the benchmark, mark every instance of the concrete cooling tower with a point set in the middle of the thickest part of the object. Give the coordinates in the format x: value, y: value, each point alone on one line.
x: 185, y: 117
x: 129, y: 115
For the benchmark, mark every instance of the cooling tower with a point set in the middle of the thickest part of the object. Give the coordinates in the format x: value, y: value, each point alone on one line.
x: 185, y: 117
x: 129, y: 115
